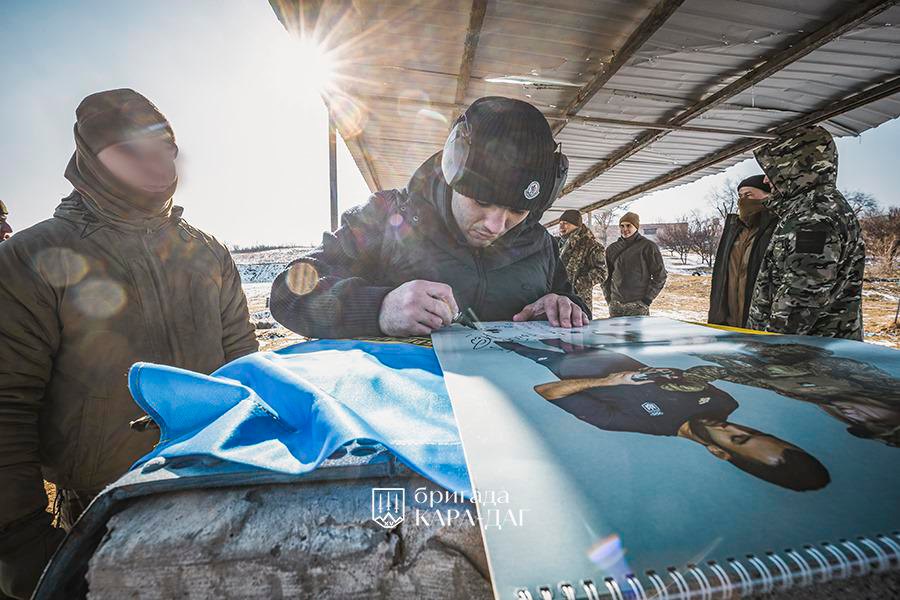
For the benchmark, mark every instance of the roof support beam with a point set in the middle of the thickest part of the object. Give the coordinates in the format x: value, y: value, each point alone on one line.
x: 662, y: 98
x: 473, y: 33
x: 796, y: 49
x: 457, y: 106
x: 664, y: 126
x: 858, y: 100
x: 650, y: 25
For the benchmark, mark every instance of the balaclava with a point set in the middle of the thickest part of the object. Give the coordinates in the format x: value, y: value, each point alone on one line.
x: 102, y: 120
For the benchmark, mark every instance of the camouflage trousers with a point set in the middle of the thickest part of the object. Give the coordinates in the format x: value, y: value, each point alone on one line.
x: 628, y: 309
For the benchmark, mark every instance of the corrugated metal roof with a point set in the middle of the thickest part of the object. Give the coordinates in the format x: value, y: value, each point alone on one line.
x: 400, y: 63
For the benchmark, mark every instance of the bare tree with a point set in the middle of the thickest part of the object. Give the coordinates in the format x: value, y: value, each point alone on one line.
x: 862, y: 203
x: 724, y: 199
x: 603, y: 218
x: 695, y: 233
x: 881, y: 232
x: 676, y: 237
x: 704, y: 233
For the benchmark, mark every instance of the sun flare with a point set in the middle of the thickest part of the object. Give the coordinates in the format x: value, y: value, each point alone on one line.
x: 316, y: 65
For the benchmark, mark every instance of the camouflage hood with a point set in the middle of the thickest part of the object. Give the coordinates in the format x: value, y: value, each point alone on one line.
x: 805, y: 161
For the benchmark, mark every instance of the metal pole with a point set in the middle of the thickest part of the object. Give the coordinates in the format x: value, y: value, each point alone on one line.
x: 332, y: 170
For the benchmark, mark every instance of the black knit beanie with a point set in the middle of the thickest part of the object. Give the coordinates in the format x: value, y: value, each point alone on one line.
x: 756, y: 181
x: 571, y: 216
x: 507, y: 156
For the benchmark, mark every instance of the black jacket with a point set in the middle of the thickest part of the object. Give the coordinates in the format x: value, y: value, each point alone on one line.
x: 649, y: 408
x: 635, y: 270
x: 409, y: 234
x: 718, y: 298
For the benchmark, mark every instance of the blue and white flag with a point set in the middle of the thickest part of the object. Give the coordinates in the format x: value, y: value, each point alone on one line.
x: 289, y: 410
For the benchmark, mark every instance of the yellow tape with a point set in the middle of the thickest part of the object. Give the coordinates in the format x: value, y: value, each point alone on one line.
x: 735, y: 329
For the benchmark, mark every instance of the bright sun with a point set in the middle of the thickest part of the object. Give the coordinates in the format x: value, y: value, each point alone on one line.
x: 317, y: 66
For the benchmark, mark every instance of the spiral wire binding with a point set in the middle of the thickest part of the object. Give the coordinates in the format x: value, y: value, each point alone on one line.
x: 736, y: 578
x: 636, y: 588
x: 567, y: 591
x: 706, y: 591
x: 613, y: 588
x: 591, y: 590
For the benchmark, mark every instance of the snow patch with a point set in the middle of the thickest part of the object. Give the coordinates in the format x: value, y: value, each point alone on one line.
x: 260, y: 273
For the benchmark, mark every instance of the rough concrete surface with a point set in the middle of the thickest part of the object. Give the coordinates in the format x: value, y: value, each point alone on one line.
x: 316, y: 540
x: 297, y: 541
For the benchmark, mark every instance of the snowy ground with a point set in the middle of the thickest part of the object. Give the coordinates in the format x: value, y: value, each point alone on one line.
x: 279, y: 255
x: 260, y: 273
x: 692, y: 266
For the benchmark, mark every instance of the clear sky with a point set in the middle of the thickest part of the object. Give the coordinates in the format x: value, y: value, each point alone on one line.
x: 251, y: 128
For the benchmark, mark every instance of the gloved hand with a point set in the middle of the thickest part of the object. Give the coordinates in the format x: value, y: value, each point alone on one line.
x: 25, y: 548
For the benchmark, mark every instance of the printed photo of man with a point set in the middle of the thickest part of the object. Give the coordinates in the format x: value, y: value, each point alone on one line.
x: 614, y: 392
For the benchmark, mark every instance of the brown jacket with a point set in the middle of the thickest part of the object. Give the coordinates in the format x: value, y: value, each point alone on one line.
x: 80, y: 302
x: 729, y: 297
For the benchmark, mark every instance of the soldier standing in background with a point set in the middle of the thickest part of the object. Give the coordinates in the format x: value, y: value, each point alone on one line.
x: 810, y: 282
x: 636, y: 271
x: 582, y: 254
x: 742, y: 247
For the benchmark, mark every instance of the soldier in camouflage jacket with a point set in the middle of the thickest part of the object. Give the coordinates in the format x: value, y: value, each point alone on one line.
x: 582, y: 254
x: 810, y: 282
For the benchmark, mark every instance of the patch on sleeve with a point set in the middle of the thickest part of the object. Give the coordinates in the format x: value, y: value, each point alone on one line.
x: 810, y: 241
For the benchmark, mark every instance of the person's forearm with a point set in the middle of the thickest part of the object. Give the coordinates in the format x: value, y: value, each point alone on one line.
x: 336, y: 308
x: 555, y: 390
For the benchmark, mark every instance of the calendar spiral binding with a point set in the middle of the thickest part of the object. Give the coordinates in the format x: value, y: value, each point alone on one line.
x: 736, y: 579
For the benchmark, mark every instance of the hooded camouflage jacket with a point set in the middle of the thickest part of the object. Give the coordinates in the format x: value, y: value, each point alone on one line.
x: 810, y: 282
x: 585, y: 261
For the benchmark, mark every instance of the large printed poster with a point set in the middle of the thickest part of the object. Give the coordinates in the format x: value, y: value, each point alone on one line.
x: 639, y: 444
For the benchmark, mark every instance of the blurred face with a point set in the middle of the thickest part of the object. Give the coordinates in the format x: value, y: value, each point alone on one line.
x: 728, y: 439
x: 627, y: 230
x: 147, y: 164
x: 565, y: 228
x: 483, y: 224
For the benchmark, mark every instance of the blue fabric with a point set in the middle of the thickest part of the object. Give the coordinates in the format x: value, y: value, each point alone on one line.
x: 289, y: 410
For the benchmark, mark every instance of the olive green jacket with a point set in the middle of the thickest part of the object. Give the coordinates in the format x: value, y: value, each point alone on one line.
x: 80, y: 302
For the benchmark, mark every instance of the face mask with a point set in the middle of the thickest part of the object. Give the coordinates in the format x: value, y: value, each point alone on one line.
x: 112, y: 199
x: 748, y: 208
